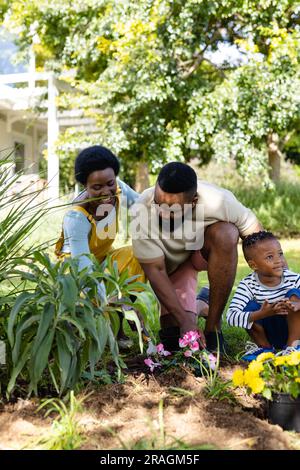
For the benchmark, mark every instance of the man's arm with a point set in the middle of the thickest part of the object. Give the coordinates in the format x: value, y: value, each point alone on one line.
x: 256, y: 227
x: 163, y: 288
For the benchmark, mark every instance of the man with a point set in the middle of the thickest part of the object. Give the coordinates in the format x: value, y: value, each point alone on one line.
x: 182, y: 226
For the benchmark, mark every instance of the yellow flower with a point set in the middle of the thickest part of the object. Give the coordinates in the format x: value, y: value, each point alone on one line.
x: 255, y: 383
x: 264, y: 356
x: 280, y: 360
x: 297, y: 380
x: 293, y: 359
x: 238, y: 378
x: 256, y: 367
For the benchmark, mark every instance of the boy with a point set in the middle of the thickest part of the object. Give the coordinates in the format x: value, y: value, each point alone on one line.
x: 267, y: 302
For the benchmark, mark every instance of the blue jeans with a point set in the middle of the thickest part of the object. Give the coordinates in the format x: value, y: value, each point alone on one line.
x: 275, y: 327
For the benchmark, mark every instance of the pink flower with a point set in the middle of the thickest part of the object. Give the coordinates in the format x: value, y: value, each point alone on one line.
x: 188, y: 353
x: 152, y: 349
x: 192, y: 336
x: 212, y: 361
x: 189, y: 338
x: 161, y: 350
x: 151, y: 364
x: 194, y: 346
x: 183, y: 342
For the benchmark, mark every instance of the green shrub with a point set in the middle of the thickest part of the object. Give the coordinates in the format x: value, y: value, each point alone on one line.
x: 59, y: 325
x: 278, y: 208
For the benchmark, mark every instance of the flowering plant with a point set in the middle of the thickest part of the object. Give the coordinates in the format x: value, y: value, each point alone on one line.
x: 190, y: 347
x: 201, y: 361
x: 158, y: 352
x: 270, y: 374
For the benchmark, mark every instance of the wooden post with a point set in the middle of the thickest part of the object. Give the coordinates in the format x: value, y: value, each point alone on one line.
x: 53, y: 131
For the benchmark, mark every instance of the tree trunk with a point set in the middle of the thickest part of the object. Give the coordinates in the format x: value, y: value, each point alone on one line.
x: 274, y: 155
x: 142, y: 181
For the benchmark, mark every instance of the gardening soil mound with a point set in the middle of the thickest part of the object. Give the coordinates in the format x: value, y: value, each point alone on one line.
x: 167, y: 410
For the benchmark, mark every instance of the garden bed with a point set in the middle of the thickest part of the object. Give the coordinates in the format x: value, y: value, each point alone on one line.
x: 127, y: 415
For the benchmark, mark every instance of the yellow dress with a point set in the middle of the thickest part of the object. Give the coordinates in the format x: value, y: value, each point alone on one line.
x: 101, y: 245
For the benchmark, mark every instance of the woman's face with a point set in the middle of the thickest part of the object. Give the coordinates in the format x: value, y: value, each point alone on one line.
x: 102, y: 183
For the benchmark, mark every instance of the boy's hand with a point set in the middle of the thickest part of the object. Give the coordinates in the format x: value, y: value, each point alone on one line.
x: 290, y: 306
x: 281, y: 308
x: 268, y: 309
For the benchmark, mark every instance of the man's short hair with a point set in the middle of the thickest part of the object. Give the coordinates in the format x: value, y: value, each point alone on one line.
x: 177, y: 177
x: 92, y: 159
x: 251, y: 240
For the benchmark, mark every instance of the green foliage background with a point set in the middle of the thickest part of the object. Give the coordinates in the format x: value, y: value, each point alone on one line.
x: 145, y: 71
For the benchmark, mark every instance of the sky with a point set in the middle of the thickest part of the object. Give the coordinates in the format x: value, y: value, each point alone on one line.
x: 8, y: 52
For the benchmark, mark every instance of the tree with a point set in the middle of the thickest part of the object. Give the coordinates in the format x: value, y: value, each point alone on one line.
x: 146, y: 72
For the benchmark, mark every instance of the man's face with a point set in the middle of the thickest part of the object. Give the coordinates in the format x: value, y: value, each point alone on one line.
x: 267, y: 258
x: 172, y: 208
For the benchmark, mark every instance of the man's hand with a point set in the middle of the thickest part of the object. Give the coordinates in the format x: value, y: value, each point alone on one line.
x: 189, y: 323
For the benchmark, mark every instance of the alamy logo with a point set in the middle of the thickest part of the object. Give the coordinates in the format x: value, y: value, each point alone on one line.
x: 155, y: 222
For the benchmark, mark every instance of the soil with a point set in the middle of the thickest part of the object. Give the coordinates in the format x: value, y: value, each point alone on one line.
x: 119, y: 416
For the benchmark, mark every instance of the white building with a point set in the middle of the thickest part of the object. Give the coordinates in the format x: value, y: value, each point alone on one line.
x: 27, y: 132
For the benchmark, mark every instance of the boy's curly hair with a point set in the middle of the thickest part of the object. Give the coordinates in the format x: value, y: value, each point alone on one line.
x: 254, y: 238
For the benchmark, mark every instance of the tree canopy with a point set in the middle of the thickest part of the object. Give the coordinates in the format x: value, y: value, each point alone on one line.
x: 150, y: 73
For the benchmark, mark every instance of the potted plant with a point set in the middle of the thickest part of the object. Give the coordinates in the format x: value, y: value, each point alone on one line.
x: 277, y: 379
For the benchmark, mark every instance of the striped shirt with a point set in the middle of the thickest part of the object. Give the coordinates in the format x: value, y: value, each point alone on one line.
x: 250, y: 288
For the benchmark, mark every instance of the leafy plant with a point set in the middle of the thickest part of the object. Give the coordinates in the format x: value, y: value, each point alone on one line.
x: 60, y: 325
x: 19, y: 214
x: 66, y: 432
x: 207, y: 365
x: 270, y: 374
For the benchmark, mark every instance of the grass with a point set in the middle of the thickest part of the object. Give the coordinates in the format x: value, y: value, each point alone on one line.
x: 66, y: 432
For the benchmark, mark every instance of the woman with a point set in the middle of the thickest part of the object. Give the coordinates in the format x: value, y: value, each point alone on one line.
x: 91, y: 225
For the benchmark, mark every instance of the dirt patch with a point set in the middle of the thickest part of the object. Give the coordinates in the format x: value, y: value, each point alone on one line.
x: 121, y: 415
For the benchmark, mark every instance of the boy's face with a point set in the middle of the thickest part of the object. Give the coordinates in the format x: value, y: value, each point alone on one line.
x: 267, y: 258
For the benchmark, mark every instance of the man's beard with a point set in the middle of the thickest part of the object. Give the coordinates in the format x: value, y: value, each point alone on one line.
x: 170, y: 224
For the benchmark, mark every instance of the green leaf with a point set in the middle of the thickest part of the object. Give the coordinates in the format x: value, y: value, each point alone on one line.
x: 44, y: 260
x: 64, y: 359
x: 113, y: 345
x: 114, y: 320
x: 18, y: 368
x: 19, y: 304
x: 267, y: 393
x: 46, y: 319
x: 132, y: 316
x: 76, y: 323
x: 24, y: 324
x: 102, y: 329
x: 70, y: 338
x: 90, y: 324
x: 40, y: 361
x: 69, y: 292
x: 94, y: 355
